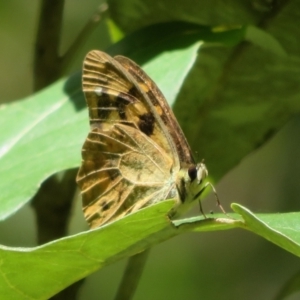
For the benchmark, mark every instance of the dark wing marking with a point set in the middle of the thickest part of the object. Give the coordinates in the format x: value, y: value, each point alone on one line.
x: 162, y: 108
x: 114, y: 97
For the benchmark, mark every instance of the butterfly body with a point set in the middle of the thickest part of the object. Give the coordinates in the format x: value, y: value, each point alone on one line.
x: 135, y: 154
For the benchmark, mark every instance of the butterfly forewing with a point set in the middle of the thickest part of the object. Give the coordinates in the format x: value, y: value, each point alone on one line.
x: 165, y: 113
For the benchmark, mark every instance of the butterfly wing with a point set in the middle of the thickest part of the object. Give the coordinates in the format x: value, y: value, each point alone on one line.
x: 162, y: 108
x: 130, y: 159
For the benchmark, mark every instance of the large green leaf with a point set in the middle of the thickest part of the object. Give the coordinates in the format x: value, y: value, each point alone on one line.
x: 43, y: 135
x: 53, y: 266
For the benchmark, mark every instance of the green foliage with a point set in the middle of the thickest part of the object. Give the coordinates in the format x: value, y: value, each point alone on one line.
x: 231, y: 97
x: 67, y: 260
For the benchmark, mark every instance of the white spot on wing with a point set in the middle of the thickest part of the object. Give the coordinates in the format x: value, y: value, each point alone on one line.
x: 98, y: 91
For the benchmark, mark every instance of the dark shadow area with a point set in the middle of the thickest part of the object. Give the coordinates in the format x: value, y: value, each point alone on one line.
x: 73, y: 89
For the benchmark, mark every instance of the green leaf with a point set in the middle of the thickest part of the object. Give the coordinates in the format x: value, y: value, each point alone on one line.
x: 144, y: 44
x: 115, y: 33
x: 165, y: 76
x: 280, y: 229
x: 54, y: 266
x: 42, y: 135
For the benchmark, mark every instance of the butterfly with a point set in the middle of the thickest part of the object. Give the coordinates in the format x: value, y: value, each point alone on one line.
x: 135, y: 154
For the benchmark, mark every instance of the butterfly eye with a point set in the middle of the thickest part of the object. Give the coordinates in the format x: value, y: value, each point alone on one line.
x: 192, y: 171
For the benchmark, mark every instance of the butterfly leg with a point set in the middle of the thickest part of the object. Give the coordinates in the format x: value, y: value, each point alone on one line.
x: 216, y: 195
x: 217, y: 198
x: 201, y: 209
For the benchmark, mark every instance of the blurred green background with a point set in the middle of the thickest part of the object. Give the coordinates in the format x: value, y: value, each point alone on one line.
x: 220, y: 265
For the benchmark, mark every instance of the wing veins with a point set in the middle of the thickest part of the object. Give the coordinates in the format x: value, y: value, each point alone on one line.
x: 105, y: 192
x: 95, y: 72
x: 145, y: 153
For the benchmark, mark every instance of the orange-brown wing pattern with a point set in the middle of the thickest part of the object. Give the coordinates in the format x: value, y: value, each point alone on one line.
x: 122, y: 171
x: 114, y: 97
x: 162, y: 107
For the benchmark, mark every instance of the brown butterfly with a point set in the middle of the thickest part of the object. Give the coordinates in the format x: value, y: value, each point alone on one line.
x: 136, y: 153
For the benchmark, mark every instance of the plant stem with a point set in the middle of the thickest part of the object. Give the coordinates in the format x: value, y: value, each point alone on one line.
x: 132, y: 276
x: 47, y: 64
x: 82, y: 36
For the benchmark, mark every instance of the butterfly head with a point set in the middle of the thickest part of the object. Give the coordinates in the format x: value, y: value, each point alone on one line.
x: 197, y: 175
x: 190, y: 185
x: 198, y: 172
